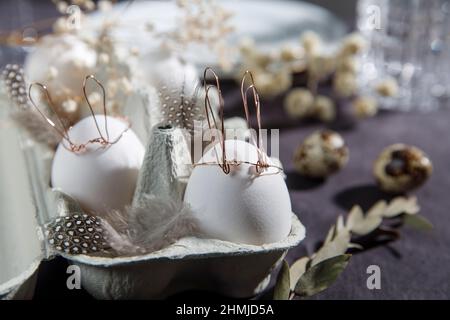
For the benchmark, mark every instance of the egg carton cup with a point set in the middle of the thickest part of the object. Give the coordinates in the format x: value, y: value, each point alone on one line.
x: 191, y: 263
x: 22, y: 245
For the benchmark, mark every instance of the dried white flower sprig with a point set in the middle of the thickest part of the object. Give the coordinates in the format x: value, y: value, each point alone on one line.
x: 273, y: 72
x: 311, y: 275
x: 200, y: 22
x: 340, y: 66
x: 96, y: 53
x: 84, y: 5
x: 300, y: 103
x: 113, y: 71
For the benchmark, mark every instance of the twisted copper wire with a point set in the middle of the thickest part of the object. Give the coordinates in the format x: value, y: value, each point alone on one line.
x: 262, y: 160
x: 210, y: 114
x: 64, y: 130
x: 92, y: 110
x: 226, y: 164
x: 81, y: 147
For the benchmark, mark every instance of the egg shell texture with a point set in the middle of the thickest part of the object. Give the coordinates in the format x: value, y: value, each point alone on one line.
x: 100, y: 178
x: 241, y: 206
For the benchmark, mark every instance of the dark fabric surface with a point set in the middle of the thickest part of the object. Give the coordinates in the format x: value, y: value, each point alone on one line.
x: 416, y: 266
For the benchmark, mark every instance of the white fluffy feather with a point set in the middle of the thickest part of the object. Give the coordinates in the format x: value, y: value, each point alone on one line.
x: 155, y: 224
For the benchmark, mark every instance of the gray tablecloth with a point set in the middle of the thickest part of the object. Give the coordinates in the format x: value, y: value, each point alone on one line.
x: 416, y: 266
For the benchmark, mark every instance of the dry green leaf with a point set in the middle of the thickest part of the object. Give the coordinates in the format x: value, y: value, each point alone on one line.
x: 377, y: 210
x: 309, y: 276
x: 367, y: 225
x: 336, y: 247
x: 401, y: 205
x: 296, y: 270
x: 352, y: 245
x: 356, y: 216
x: 282, y: 286
x: 321, y: 276
x: 417, y: 222
x: 362, y: 225
x: 339, y: 224
x: 331, y: 233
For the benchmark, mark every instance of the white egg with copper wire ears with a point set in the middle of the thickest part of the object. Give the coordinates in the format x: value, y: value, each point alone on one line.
x: 242, y: 206
x: 100, y: 177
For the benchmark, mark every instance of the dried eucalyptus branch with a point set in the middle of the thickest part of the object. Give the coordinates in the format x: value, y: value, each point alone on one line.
x: 308, y: 276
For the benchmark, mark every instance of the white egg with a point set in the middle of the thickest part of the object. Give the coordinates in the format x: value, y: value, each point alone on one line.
x: 241, y: 206
x: 61, y: 62
x: 100, y: 178
x: 164, y: 69
x: 167, y: 79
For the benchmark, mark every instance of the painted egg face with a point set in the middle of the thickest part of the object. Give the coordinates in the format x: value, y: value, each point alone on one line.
x: 241, y: 206
x: 101, y: 178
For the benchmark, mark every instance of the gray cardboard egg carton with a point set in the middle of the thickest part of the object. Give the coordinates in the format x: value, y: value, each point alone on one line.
x: 231, y: 269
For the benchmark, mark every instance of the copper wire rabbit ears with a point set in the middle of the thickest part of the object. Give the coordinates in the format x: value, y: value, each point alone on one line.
x: 225, y: 164
x: 103, y: 139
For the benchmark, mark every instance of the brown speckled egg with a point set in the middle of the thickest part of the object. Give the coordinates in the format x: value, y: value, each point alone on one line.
x: 321, y: 154
x: 400, y: 168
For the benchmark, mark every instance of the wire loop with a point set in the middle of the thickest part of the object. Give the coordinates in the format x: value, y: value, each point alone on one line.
x: 64, y: 132
x: 262, y: 164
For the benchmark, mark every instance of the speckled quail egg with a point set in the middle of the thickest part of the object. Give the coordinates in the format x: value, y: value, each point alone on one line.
x: 321, y: 154
x: 400, y: 168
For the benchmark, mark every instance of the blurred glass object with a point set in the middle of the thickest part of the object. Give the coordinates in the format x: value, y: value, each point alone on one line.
x: 17, y: 29
x: 409, y: 40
